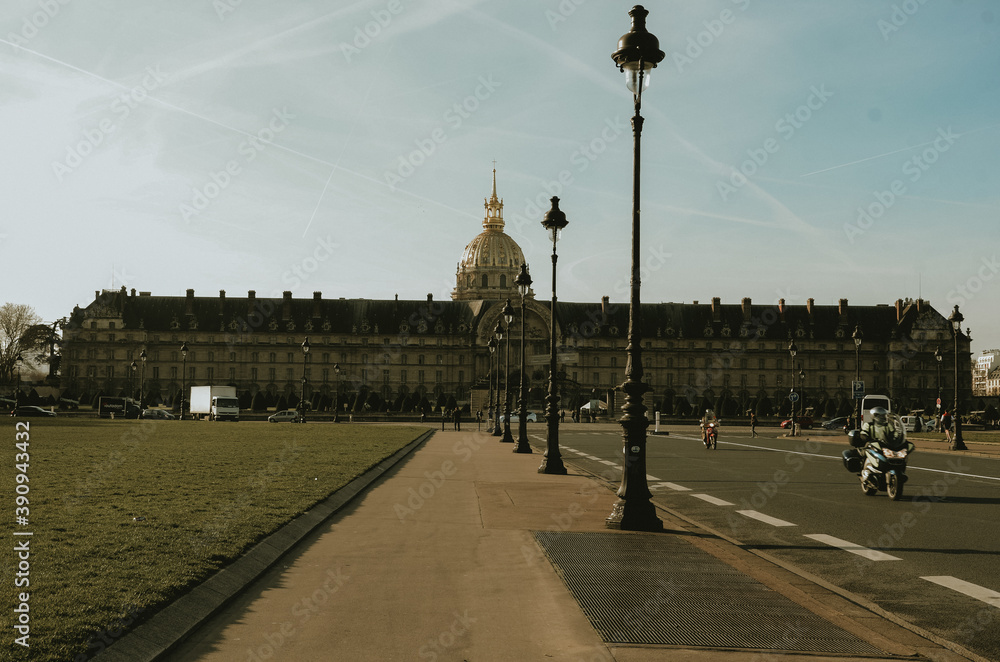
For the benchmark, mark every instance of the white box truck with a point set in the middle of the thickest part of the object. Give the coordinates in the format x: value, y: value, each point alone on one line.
x: 216, y: 403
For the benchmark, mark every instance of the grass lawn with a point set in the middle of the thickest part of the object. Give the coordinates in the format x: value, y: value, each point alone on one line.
x: 128, y: 515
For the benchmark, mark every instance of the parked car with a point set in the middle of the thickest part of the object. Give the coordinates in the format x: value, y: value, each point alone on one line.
x: 926, y: 425
x: 159, y: 414
x: 289, y: 415
x: 515, y: 418
x: 838, y: 423
x: 804, y: 422
x: 31, y: 410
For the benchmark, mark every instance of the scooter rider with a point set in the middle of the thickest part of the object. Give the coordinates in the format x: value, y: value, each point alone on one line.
x: 708, y: 418
x: 879, y: 429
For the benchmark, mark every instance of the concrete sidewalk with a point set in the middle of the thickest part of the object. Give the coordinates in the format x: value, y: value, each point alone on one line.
x: 439, y: 560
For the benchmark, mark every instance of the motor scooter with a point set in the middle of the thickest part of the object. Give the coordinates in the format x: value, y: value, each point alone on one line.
x: 880, y: 462
x: 711, y: 435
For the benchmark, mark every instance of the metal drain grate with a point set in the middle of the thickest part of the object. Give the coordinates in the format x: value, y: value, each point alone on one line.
x: 658, y: 589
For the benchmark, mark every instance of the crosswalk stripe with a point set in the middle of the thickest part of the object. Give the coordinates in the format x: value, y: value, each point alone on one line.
x: 761, y: 517
x: 972, y: 590
x: 870, y: 554
x: 674, y: 486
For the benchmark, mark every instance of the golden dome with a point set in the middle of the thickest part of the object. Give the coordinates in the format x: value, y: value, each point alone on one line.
x: 491, y: 261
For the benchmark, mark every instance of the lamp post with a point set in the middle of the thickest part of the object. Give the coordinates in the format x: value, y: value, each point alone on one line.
x: 336, y: 394
x: 302, y: 400
x: 857, y: 336
x: 142, y: 376
x: 958, y: 444
x: 638, y: 52
x: 938, y: 358
x: 523, y: 284
x: 131, y: 379
x: 802, y: 391
x: 184, y: 356
x: 492, y: 344
x: 17, y: 392
x: 508, y: 317
x: 554, y: 222
x: 498, y: 336
x: 792, y: 351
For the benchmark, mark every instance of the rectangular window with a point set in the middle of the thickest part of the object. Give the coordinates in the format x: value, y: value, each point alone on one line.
x: 438, y: 376
x: 210, y: 373
x: 232, y: 374
x: 385, y: 376
x: 253, y: 374
x: 173, y: 372
x: 232, y: 357
x: 272, y: 374
x: 420, y: 376
x: 597, y: 379
x: 290, y: 374
x: 191, y: 373
x: 402, y: 376
x: 156, y: 372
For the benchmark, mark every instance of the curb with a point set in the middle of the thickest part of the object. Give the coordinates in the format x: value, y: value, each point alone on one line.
x: 175, y: 622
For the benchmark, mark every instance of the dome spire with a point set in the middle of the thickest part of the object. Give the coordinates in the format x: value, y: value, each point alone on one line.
x: 494, y: 207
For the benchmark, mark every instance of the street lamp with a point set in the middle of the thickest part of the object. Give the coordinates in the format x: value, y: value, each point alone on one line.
x: 638, y: 52
x: 802, y: 390
x: 336, y: 394
x: 958, y: 444
x: 142, y: 375
x: 498, y: 336
x: 523, y: 284
x: 131, y: 379
x: 857, y: 336
x: 792, y: 351
x: 554, y: 222
x: 17, y: 392
x: 184, y: 356
x: 302, y: 400
x: 491, y: 418
x: 508, y: 317
x: 938, y: 358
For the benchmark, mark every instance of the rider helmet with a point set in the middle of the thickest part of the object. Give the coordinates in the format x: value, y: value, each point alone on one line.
x: 879, y: 414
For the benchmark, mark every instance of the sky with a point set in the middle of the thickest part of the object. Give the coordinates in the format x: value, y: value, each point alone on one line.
x: 791, y: 149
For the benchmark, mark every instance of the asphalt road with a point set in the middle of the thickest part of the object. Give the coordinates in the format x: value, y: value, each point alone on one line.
x: 792, y: 499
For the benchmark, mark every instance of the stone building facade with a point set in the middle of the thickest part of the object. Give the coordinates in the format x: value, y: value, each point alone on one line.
x: 396, y: 354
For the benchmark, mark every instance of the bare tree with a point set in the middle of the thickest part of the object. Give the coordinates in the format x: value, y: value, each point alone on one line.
x: 22, y: 334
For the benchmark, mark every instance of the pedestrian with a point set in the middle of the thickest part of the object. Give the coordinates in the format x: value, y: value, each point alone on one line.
x: 946, y: 421
x: 479, y: 420
x: 444, y: 417
x: 753, y: 425
x: 458, y: 419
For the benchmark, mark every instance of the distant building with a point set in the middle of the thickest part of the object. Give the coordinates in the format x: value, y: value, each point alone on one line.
x: 986, y: 374
x: 401, y: 354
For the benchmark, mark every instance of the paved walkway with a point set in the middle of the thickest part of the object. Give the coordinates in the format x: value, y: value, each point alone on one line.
x: 438, y: 561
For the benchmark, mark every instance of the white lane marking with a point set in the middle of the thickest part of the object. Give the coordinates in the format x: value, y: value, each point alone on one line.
x: 972, y: 590
x: 870, y: 554
x: 767, y: 519
x: 674, y: 486
x: 712, y: 500
x: 609, y: 463
x: 837, y: 457
x: 652, y: 478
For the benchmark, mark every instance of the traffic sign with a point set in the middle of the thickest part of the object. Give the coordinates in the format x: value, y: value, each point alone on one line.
x: 859, y: 389
x: 793, y: 396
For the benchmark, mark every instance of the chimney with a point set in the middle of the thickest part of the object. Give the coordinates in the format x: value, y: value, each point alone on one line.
x: 746, y: 309
x: 781, y: 306
x: 222, y: 301
x: 251, y: 301
x: 430, y: 298
x: 716, y: 309
x: 317, y: 301
x: 809, y: 306
x: 133, y: 291
x: 286, y: 305
x: 605, y: 303
x: 189, y: 303
x: 899, y: 310
x: 843, y: 311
